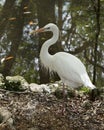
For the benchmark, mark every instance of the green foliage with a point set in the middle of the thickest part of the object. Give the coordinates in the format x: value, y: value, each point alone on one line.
x: 13, y: 86
x: 10, y: 85
x: 85, y: 90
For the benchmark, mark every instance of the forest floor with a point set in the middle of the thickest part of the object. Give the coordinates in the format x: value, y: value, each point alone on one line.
x: 43, y: 111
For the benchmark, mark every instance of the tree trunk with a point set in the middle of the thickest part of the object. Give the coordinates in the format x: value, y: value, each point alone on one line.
x: 5, y: 15
x: 97, y: 13
x: 15, y: 37
x: 46, y: 14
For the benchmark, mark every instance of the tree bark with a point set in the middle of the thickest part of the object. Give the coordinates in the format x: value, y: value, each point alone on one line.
x: 46, y: 14
x: 96, y: 6
x: 15, y: 37
x: 5, y: 15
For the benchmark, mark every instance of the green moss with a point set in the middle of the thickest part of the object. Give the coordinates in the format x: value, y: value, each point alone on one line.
x: 13, y: 86
x: 85, y: 90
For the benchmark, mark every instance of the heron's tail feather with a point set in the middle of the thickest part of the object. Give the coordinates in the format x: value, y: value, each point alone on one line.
x: 87, y: 82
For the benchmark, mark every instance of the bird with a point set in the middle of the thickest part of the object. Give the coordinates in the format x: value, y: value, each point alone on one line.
x: 70, y: 69
x: 6, y: 59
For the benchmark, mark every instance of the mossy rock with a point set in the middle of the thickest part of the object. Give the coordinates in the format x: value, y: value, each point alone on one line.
x: 14, y: 83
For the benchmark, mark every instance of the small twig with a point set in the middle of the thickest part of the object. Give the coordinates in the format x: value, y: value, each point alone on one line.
x: 17, y: 92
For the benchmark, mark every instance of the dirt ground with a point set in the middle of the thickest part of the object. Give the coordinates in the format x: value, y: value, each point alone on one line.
x: 44, y: 111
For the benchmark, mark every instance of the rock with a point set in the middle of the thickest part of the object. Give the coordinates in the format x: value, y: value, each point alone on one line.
x: 54, y: 87
x: 39, y: 88
x: 5, y: 114
x: 45, y: 88
x: 16, y: 82
x: 6, y: 118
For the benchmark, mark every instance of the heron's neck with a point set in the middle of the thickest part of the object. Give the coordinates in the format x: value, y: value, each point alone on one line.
x: 45, y: 57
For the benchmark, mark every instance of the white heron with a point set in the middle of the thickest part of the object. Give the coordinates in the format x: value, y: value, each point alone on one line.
x: 69, y: 68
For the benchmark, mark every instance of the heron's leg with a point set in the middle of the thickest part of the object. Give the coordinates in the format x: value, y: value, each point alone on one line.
x: 63, y: 107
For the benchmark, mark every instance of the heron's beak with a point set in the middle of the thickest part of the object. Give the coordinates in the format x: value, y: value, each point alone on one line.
x: 37, y: 31
x: 8, y: 58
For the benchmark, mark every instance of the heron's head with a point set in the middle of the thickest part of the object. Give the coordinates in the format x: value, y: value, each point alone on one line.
x: 49, y: 27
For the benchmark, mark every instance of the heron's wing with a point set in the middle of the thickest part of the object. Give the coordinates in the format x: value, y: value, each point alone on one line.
x: 71, y: 70
x: 68, y: 66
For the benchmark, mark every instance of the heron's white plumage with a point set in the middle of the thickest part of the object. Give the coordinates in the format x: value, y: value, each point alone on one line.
x: 69, y: 68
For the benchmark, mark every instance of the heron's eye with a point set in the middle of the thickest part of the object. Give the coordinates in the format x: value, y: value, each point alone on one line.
x: 48, y: 28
